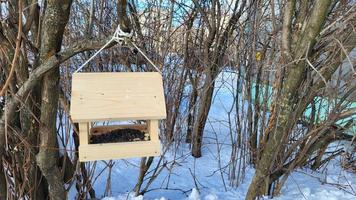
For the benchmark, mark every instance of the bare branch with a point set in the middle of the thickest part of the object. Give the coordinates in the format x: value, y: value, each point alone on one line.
x: 17, y: 52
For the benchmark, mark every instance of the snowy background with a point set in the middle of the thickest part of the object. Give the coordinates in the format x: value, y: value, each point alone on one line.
x: 195, y: 179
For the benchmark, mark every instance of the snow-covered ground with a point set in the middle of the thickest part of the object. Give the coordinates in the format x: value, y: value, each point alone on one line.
x: 195, y: 179
x: 302, y: 184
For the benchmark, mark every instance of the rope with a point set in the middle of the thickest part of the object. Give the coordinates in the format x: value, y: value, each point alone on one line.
x: 91, y: 58
x: 144, y: 55
x: 119, y: 36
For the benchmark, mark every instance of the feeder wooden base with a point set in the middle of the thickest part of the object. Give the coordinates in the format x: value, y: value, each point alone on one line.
x: 110, y: 151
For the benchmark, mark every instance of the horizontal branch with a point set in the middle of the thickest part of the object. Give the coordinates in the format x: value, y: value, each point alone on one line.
x: 348, y: 113
x: 36, y: 75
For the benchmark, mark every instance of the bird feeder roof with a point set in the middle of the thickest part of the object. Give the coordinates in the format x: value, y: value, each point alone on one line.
x: 117, y: 96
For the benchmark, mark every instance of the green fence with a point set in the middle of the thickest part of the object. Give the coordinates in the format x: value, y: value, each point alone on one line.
x: 323, y: 107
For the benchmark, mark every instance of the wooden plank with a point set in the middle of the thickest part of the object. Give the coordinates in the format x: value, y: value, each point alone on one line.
x: 98, y: 130
x: 83, y: 133
x: 90, y: 126
x: 111, y: 151
x: 153, y: 130
x: 117, y: 96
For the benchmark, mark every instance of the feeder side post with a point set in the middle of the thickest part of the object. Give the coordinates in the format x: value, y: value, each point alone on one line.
x: 152, y: 126
x: 83, y: 133
x: 90, y: 124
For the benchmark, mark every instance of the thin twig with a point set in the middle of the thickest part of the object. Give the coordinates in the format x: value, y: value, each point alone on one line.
x: 346, y: 54
x: 311, y: 65
x: 17, y: 52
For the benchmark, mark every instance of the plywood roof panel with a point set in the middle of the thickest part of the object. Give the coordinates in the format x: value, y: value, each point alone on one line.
x: 117, y: 96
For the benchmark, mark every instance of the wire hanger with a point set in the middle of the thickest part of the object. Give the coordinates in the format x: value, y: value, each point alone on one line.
x: 119, y: 36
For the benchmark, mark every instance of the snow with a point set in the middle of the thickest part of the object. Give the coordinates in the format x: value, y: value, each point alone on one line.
x: 189, y: 178
x: 301, y: 185
x: 130, y: 196
x: 194, y: 195
x: 307, y: 185
x: 211, y: 197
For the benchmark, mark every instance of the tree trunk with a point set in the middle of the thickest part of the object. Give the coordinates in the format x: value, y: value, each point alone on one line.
x: 256, y: 116
x: 285, y: 104
x: 55, y: 19
x: 191, y: 108
x: 252, y: 138
x: 213, y: 59
x: 172, y: 118
x: 204, y: 107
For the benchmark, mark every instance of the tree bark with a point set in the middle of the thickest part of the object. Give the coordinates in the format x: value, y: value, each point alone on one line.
x: 191, y: 107
x: 55, y: 19
x: 204, y: 107
x: 294, y: 76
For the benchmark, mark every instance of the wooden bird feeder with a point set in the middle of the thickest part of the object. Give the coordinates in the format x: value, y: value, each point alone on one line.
x: 98, y: 97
